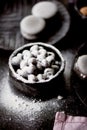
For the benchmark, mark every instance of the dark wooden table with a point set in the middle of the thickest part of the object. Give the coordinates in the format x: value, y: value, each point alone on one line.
x: 19, y: 112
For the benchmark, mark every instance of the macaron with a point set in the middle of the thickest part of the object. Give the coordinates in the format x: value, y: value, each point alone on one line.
x: 28, y: 36
x: 31, y: 25
x: 44, y: 9
x: 81, y: 66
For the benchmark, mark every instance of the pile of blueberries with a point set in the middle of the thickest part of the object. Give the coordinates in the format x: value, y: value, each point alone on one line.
x: 36, y: 64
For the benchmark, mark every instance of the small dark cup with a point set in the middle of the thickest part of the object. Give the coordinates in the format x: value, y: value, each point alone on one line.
x: 81, y: 8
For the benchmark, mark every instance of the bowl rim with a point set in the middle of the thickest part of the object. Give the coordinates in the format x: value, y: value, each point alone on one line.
x: 20, y: 78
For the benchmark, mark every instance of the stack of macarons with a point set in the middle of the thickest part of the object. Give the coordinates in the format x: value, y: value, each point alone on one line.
x: 32, y: 26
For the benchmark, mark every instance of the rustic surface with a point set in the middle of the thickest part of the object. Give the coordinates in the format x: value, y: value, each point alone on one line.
x: 19, y: 112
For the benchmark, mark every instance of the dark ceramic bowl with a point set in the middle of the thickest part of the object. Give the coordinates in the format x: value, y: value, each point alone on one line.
x: 44, y: 88
x: 81, y: 8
